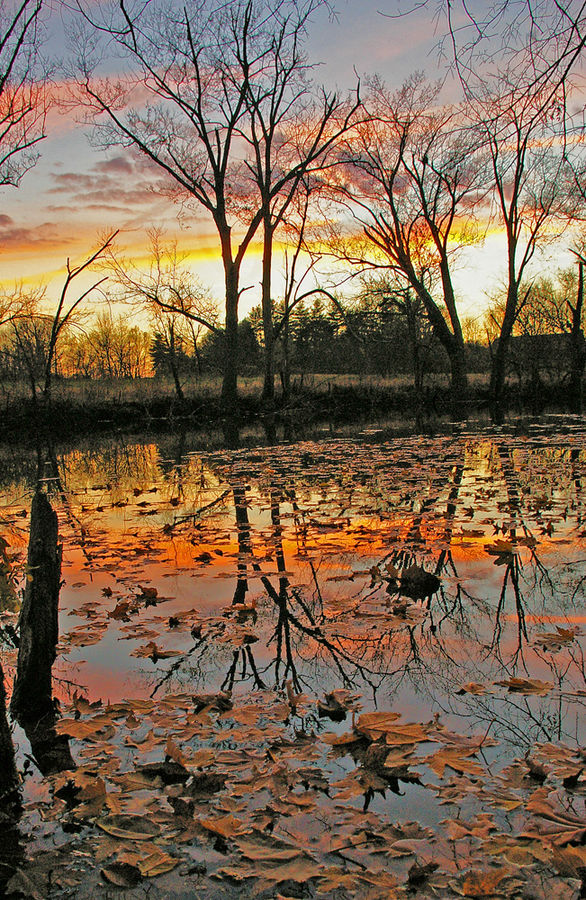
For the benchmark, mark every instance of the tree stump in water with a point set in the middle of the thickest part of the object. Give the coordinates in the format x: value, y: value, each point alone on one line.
x: 39, y: 630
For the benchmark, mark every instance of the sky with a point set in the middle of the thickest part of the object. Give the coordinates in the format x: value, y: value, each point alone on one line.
x: 75, y: 194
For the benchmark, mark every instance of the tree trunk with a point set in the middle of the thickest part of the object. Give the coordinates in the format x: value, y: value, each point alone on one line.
x: 414, y: 340
x: 50, y: 750
x: 268, y: 391
x: 244, y: 545
x: 577, y: 348
x: 499, y: 361
x: 197, y: 358
x: 51, y: 362
x: 173, y: 365
x: 176, y: 381
x: 32, y: 694
x: 452, y: 343
x: 458, y: 374
x: 230, y: 381
x: 286, y: 367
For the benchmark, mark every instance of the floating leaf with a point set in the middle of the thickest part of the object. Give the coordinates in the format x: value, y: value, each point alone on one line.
x: 527, y: 686
x: 269, y: 851
x: 154, y: 652
x: 169, y: 772
x: 374, y: 725
x: 473, y: 687
x: 558, y: 826
x: 225, y: 826
x: 456, y: 759
x: 553, y: 641
x: 480, y: 884
x: 121, y: 874
x: 129, y: 827
x: 220, y: 702
x: 156, y: 863
x: 418, y: 874
x: 23, y: 885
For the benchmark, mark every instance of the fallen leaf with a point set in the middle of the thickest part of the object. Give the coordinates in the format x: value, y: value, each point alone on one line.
x: 121, y: 874
x: 225, y: 826
x: 480, y: 884
x: 374, y: 725
x: 152, y: 651
x: 168, y: 772
x: 157, y: 863
x: 129, y: 827
x: 558, y: 826
x: 526, y: 686
x: 473, y: 687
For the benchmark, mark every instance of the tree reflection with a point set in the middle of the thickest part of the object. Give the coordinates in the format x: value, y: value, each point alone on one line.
x: 295, y: 619
x: 432, y: 630
x: 320, y: 595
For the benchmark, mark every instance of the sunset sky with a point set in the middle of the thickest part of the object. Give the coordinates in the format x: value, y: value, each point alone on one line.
x: 75, y: 193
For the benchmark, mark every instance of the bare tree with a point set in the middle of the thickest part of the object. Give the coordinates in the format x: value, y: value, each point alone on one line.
x: 542, y: 41
x: 578, y: 343
x: 170, y: 336
x: 202, y: 69
x: 291, y: 135
x: 533, y: 193
x: 171, y: 294
x: 295, y: 276
x: 44, y: 330
x: 30, y: 341
x: 23, y: 98
x: 547, y: 308
x: 18, y: 303
x: 166, y: 285
x: 413, y: 168
x: 518, y: 62
x: 119, y: 349
x: 23, y: 108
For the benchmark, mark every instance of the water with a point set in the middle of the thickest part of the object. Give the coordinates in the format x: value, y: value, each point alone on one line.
x: 440, y: 578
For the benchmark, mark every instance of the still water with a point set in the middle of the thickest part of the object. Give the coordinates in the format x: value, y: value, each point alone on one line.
x: 438, y: 578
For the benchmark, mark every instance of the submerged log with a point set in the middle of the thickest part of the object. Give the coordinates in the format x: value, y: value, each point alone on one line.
x: 32, y: 697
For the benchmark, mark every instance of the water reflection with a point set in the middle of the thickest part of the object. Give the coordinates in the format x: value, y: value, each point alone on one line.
x: 291, y: 565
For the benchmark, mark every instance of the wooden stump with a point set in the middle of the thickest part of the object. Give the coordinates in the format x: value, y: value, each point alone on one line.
x: 39, y: 631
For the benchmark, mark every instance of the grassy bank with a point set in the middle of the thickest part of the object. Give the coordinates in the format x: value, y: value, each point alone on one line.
x: 89, y: 406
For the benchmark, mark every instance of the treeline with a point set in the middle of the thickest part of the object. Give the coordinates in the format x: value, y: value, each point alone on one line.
x: 320, y: 339
x: 381, y: 332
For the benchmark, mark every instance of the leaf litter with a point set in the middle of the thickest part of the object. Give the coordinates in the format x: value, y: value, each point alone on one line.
x: 375, y: 691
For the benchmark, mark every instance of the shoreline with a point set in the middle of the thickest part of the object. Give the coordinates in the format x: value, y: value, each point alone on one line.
x: 79, y: 409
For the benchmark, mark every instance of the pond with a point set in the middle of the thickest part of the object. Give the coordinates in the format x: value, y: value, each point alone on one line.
x: 346, y: 667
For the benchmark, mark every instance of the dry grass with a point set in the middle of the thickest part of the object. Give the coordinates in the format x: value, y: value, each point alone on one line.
x: 91, y: 392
